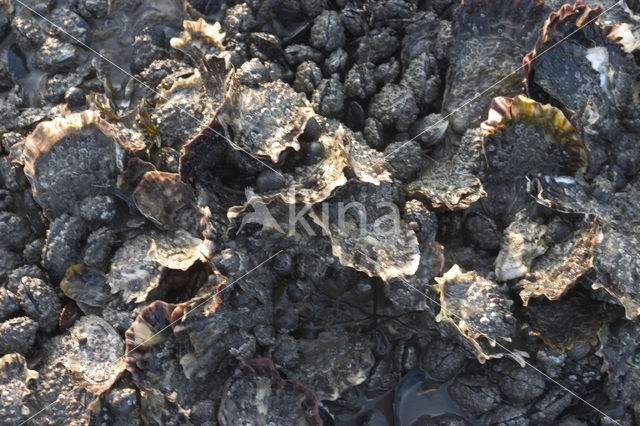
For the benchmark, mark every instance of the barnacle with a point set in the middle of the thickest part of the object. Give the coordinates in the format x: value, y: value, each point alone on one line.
x: 480, y: 310
x: 71, y: 158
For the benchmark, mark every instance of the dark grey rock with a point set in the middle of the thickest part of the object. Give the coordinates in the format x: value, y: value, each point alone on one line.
x: 98, y: 209
x: 32, y: 252
x: 518, y: 384
x: 56, y: 56
x: 253, y: 72
x: 27, y: 31
x: 64, y: 245
x: 70, y: 27
x: 507, y: 415
x: 56, y: 86
x: 373, y: 133
x: 443, y: 359
x: 377, y: 46
x: 98, y: 248
x: 421, y: 75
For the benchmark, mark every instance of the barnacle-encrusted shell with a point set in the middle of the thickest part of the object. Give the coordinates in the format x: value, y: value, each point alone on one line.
x: 454, y: 182
x: 620, y: 239
x: 523, y: 136
x: 572, y: 319
x: 587, y: 72
x: 367, y: 232
x: 199, y: 38
x: 508, y: 27
x: 257, y: 394
x: 14, y: 381
x: 522, y: 242
x: 71, y: 158
x: 265, y: 120
x: 481, y: 311
x: 94, y: 356
x: 559, y: 269
x: 165, y: 199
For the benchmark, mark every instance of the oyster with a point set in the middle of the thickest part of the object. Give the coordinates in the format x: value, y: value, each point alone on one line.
x: 522, y: 137
x: 480, y: 310
x: 14, y: 382
x: 94, y: 355
x: 367, y: 232
x: 87, y: 286
x: 619, y: 243
x: 454, y: 181
x: 166, y: 200
x: 71, y: 158
x: 589, y: 74
x: 265, y: 120
x: 522, y: 242
x: 572, y: 319
x: 333, y: 362
x: 565, y: 262
x: 137, y: 266
x: 199, y: 38
x: 509, y: 27
x: 256, y: 393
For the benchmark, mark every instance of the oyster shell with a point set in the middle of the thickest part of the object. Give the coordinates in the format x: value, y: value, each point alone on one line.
x: 367, y: 232
x: 69, y: 159
x: 620, y: 239
x: 87, y: 286
x: 572, y: 319
x: 522, y: 242
x: 94, y: 355
x: 453, y: 182
x: 14, y: 382
x: 265, y: 120
x: 509, y: 27
x: 256, y: 393
x: 137, y: 266
x: 562, y: 266
x: 480, y: 310
x: 167, y: 201
x: 522, y: 136
x: 199, y: 38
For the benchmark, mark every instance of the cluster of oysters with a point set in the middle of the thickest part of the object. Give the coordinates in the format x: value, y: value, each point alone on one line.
x: 218, y: 293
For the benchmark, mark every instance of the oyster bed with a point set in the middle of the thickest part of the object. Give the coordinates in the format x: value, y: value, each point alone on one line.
x: 319, y: 212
